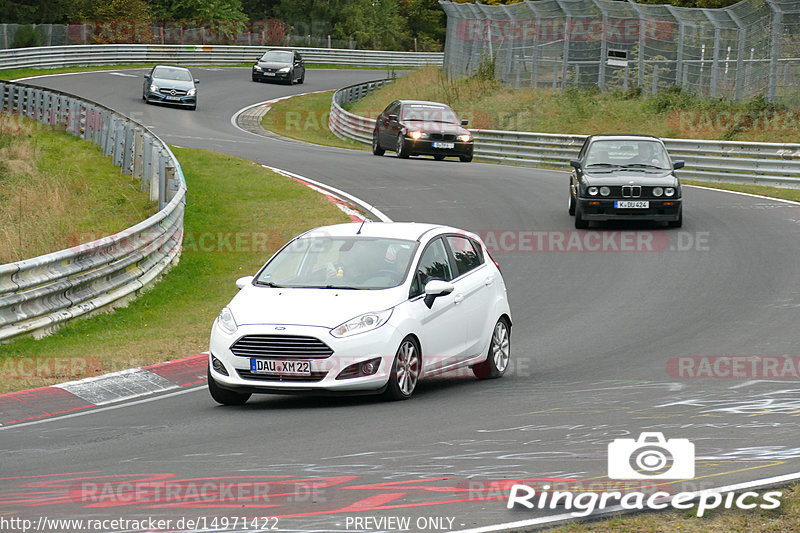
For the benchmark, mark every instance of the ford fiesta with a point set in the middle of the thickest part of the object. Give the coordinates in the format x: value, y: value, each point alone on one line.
x: 362, y: 309
x: 625, y: 177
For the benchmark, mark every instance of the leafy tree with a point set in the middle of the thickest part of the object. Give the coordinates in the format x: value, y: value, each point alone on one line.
x: 111, y: 10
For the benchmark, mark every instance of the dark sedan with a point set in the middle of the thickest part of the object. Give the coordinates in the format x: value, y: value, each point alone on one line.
x: 415, y: 127
x: 625, y: 177
x: 166, y: 84
x: 286, y: 66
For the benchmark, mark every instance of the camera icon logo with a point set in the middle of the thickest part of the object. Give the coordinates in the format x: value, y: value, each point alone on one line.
x: 651, y: 457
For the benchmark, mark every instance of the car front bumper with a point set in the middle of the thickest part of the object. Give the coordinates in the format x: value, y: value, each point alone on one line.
x: 426, y: 147
x: 601, y: 209
x: 260, y: 75
x: 185, y: 100
x: 381, y: 343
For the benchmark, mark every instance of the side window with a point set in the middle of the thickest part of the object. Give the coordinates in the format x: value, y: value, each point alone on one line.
x: 433, y: 264
x: 297, y: 57
x: 465, y: 253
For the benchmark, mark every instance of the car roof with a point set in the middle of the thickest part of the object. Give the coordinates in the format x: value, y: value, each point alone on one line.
x: 172, y: 66
x: 622, y: 137
x: 423, y: 102
x: 392, y: 230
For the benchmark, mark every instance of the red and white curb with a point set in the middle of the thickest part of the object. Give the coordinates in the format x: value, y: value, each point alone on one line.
x: 64, y: 398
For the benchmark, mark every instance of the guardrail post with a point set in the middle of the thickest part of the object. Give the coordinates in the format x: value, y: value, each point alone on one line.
x: 137, y: 153
x: 107, y: 142
x: 162, y: 180
x: 89, y: 123
x: 147, y: 161
x: 119, y: 143
x: 127, y: 149
x: 172, y: 183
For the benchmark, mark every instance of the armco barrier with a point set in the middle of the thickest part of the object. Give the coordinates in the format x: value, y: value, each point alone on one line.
x: 39, y: 294
x: 216, y: 54
x: 773, y: 164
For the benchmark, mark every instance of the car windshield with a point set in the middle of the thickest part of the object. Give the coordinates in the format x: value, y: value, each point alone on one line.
x: 339, y: 263
x: 277, y: 56
x: 429, y: 113
x: 168, y: 73
x: 626, y: 153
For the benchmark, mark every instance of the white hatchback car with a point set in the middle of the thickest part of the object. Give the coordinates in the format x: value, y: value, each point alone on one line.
x: 362, y: 309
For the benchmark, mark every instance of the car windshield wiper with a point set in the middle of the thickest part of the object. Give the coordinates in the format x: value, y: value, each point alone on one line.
x: 268, y: 284
x: 643, y: 165
x: 602, y: 165
x: 347, y: 287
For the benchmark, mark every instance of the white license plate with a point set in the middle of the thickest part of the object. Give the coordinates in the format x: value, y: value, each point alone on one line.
x: 632, y: 204
x: 174, y: 98
x: 269, y: 74
x: 284, y: 368
x: 444, y: 145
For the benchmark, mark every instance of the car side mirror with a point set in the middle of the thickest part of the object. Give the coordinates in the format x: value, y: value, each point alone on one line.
x: 574, y: 163
x: 436, y: 288
x: 678, y: 164
x: 196, y: 81
x: 242, y: 282
x: 147, y: 76
x: 392, y: 118
x: 465, y: 122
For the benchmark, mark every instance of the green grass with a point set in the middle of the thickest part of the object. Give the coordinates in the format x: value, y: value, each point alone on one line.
x: 58, y: 191
x: 761, y: 190
x: 174, y: 318
x: 306, y: 118
x: 488, y: 105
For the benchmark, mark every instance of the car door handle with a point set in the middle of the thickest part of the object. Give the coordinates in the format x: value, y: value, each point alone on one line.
x: 458, y: 298
x: 488, y: 281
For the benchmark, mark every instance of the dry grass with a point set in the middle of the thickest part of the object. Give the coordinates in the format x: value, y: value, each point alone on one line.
x: 57, y: 191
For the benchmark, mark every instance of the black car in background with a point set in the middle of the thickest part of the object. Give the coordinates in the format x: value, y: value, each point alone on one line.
x: 625, y: 177
x: 417, y: 127
x: 286, y: 66
x: 168, y: 84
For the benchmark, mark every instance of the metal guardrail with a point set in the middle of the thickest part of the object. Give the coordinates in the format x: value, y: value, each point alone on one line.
x: 37, y: 295
x: 346, y: 125
x: 773, y: 164
x: 109, y: 54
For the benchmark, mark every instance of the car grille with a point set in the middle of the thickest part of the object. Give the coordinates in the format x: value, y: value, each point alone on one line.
x: 314, y: 377
x: 172, y: 92
x: 443, y: 137
x: 632, y: 191
x: 295, y: 346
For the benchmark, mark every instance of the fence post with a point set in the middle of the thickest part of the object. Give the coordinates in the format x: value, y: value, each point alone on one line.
x: 740, y: 70
x: 601, y: 76
x: 775, y: 48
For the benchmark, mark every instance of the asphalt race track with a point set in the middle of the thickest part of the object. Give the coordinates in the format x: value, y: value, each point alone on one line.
x: 596, y: 316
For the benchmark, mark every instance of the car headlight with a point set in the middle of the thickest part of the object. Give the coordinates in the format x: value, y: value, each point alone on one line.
x: 415, y: 135
x: 153, y: 88
x: 191, y: 92
x: 658, y: 191
x: 226, y: 322
x: 285, y: 69
x: 592, y: 191
x: 669, y: 191
x: 465, y: 138
x: 256, y: 67
x: 362, y: 323
x: 605, y: 191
